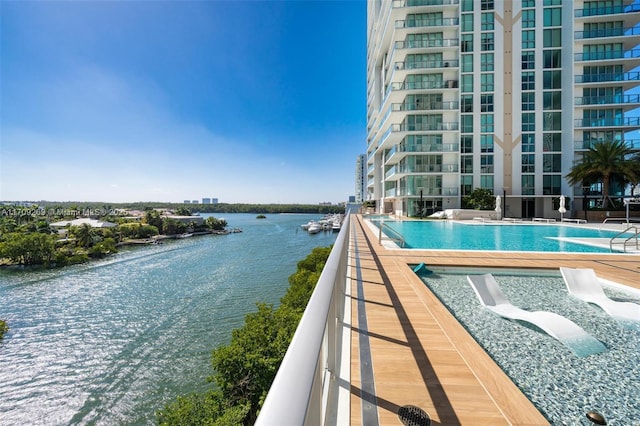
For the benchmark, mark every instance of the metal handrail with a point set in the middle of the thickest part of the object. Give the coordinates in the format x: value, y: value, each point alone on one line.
x: 304, y: 379
x: 399, y: 238
x: 626, y: 240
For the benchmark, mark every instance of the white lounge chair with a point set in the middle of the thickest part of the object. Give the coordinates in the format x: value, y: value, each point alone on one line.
x: 585, y: 285
x: 556, y: 326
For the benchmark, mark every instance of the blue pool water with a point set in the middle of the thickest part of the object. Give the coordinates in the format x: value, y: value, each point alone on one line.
x: 450, y: 235
x: 562, y: 386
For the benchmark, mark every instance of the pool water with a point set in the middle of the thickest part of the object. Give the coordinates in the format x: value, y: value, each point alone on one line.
x: 562, y: 385
x: 450, y: 235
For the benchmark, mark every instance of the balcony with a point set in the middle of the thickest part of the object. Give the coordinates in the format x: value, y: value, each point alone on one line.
x: 607, y: 10
x: 439, y: 85
x: 607, y: 33
x: 605, y: 56
x: 619, y: 77
x: 427, y: 44
x: 423, y: 65
x: 426, y: 106
x: 628, y: 123
x: 633, y: 144
x: 431, y: 23
x: 417, y: 3
x: 426, y: 127
x: 631, y: 101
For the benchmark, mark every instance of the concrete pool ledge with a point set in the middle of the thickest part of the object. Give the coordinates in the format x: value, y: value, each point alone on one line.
x: 421, y: 355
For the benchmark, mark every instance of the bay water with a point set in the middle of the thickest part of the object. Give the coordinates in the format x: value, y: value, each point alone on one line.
x: 110, y: 342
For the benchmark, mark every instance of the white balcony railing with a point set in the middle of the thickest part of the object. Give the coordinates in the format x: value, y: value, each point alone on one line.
x: 305, y: 389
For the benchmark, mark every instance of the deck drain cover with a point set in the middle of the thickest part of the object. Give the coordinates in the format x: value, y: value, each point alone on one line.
x: 410, y: 415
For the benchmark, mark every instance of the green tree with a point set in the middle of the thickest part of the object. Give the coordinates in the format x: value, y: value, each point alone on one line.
x: 603, y: 162
x: 29, y: 249
x: 85, y: 235
x: 480, y: 199
x: 215, y: 224
x: 152, y: 217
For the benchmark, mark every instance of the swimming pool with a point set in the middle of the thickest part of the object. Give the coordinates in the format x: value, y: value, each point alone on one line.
x: 560, y: 384
x: 452, y: 235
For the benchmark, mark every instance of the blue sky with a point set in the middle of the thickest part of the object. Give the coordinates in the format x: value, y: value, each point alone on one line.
x: 245, y: 101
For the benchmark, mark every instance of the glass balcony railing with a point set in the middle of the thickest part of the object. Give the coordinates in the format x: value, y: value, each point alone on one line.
x: 420, y: 85
x: 607, y: 32
x: 420, y: 23
x: 429, y: 192
x: 428, y: 168
x: 416, y: 127
x: 429, y: 147
x: 418, y: 65
x: 425, y: 44
x: 601, y: 100
x: 607, y: 10
x: 613, y: 54
x: 427, y: 105
x: 633, y: 144
x: 607, y: 122
x: 415, y: 3
x: 607, y: 77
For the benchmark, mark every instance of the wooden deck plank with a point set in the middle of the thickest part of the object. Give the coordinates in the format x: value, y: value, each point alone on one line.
x: 422, y: 356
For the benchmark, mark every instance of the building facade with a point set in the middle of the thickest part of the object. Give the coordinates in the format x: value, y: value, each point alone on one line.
x: 361, y: 178
x: 495, y: 94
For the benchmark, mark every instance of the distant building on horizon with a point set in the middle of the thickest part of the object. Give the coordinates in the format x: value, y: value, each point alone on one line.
x: 214, y: 201
x: 361, y: 178
x: 186, y: 202
x: 505, y: 96
x: 206, y: 201
x: 195, y: 202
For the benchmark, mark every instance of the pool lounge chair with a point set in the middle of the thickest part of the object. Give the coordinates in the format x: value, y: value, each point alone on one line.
x: 585, y: 285
x: 566, y: 331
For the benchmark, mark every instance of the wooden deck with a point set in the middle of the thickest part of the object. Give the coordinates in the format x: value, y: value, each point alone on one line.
x: 407, y: 349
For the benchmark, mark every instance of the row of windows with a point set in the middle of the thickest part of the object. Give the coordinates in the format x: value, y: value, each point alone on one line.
x: 550, y: 59
x: 550, y: 100
x: 551, y: 163
x: 550, y: 184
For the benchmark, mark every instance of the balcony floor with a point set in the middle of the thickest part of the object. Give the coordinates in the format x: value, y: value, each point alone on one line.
x: 407, y: 349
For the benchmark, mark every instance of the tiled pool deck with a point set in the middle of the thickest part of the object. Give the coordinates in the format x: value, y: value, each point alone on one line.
x: 407, y: 349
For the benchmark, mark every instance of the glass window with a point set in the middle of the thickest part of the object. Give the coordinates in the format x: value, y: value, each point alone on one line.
x: 486, y: 61
x: 551, y: 163
x: 528, y: 185
x: 552, y: 120
x: 552, y: 2
x: 529, y: 39
x: 552, y: 17
x: 528, y: 81
x: 467, y: 63
x: 486, y: 143
x: 552, y: 38
x: 486, y: 5
x: 528, y: 122
x: 466, y: 22
x: 487, y: 21
x: 528, y: 3
x: 466, y: 144
x: 486, y: 182
x: 528, y: 60
x: 466, y: 103
x: 552, y: 100
x: 528, y: 101
x: 528, y: 142
x: 552, y: 58
x: 552, y: 80
x: 486, y: 41
x: 486, y: 103
x: 466, y: 185
x: 466, y: 123
x: 467, y: 5
x: 486, y: 82
x: 466, y: 164
x: 467, y: 83
x: 466, y: 43
x: 551, y: 184
x: 486, y: 164
x: 552, y: 142
x: 486, y: 123
x: 528, y: 163
x: 528, y: 18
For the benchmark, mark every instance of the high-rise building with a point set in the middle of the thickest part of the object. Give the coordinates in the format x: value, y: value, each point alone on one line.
x: 501, y: 95
x: 361, y: 178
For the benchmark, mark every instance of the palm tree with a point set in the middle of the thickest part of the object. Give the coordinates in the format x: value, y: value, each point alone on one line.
x: 603, y: 161
x: 85, y: 235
